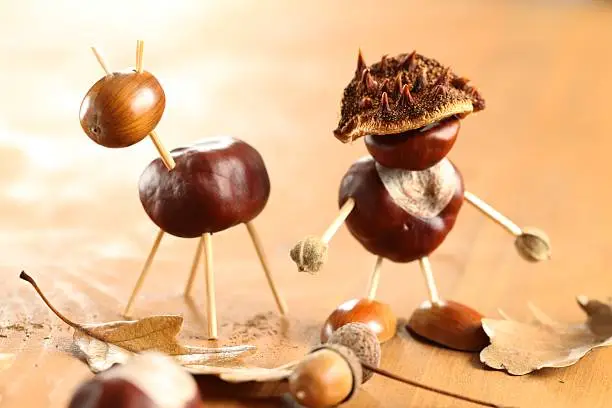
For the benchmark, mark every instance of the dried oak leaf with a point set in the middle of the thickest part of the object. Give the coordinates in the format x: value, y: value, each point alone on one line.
x: 520, y: 348
x: 106, y: 344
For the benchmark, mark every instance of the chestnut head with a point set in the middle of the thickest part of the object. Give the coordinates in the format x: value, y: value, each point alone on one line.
x: 217, y: 183
x: 121, y: 109
x: 149, y: 380
x: 399, y: 214
x: 416, y: 149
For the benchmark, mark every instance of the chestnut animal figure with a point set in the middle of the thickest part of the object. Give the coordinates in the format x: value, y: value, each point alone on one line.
x: 216, y: 184
x: 124, y: 107
x: 401, y: 202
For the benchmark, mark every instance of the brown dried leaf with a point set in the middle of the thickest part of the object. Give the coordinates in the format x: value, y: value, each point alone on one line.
x: 105, y: 344
x: 520, y: 348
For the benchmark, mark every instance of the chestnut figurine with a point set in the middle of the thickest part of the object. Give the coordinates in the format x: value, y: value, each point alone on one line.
x: 148, y: 380
x: 401, y: 202
x: 216, y: 184
x: 124, y: 107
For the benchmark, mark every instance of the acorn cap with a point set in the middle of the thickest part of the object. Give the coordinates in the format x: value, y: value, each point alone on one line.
x: 362, y: 341
x: 371, y: 106
x: 310, y: 254
x: 352, y: 360
x: 533, y: 245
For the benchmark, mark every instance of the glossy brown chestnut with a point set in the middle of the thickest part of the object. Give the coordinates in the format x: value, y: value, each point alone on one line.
x: 216, y: 184
x: 417, y: 149
x: 384, y: 228
x: 376, y: 315
x: 122, y: 109
x: 150, y: 380
x: 450, y: 324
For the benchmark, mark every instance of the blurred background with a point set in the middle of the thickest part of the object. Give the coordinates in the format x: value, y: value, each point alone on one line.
x: 272, y: 73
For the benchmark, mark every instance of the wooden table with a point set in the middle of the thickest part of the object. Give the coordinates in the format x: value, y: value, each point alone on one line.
x: 272, y: 74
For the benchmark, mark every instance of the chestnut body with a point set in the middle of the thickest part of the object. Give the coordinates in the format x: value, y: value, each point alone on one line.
x: 123, y: 108
x: 383, y: 227
x: 216, y: 184
x: 414, y: 150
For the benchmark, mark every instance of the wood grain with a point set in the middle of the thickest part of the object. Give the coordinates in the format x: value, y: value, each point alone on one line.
x: 272, y: 73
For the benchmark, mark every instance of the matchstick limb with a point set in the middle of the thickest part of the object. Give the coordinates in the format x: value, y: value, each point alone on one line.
x: 211, y: 303
x: 493, y: 214
x: 144, y: 273
x: 101, y: 61
x: 425, y: 266
x: 374, y: 278
x: 280, y: 302
x: 194, y: 266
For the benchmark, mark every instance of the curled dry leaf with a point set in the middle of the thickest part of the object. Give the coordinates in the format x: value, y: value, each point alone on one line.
x: 105, y: 344
x: 520, y: 348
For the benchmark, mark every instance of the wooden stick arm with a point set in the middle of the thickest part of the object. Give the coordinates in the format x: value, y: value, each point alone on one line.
x: 310, y: 253
x: 531, y: 243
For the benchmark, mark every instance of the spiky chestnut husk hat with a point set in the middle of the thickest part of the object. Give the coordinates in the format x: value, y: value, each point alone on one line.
x: 403, y: 93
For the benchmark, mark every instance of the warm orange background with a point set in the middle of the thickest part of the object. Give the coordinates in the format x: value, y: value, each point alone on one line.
x: 272, y: 74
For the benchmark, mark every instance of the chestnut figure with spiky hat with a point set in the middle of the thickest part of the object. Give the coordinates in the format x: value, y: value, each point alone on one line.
x: 402, y: 201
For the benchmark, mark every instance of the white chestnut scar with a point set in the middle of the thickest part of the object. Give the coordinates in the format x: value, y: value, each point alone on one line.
x: 424, y: 193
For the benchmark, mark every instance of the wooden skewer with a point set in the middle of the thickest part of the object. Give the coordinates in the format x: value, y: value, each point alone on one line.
x: 101, y: 61
x: 280, y: 302
x: 493, y: 214
x: 375, y: 279
x: 211, y: 303
x: 164, y: 154
x: 345, y: 210
x: 194, y: 266
x: 139, y: 54
x: 429, y: 279
x: 145, y: 271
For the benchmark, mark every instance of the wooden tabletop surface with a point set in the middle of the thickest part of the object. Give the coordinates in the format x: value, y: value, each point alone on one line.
x: 272, y: 73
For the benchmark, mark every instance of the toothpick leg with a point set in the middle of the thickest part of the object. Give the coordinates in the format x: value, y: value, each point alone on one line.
x: 375, y: 278
x: 280, y: 302
x: 194, y: 266
x: 211, y: 303
x: 493, y: 214
x: 345, y: 210
x: 429, y: 280
x: 145, y: 271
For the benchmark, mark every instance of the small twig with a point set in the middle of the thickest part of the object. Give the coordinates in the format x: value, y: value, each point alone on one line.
x: 396, y: 377
x: 31, y: 281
